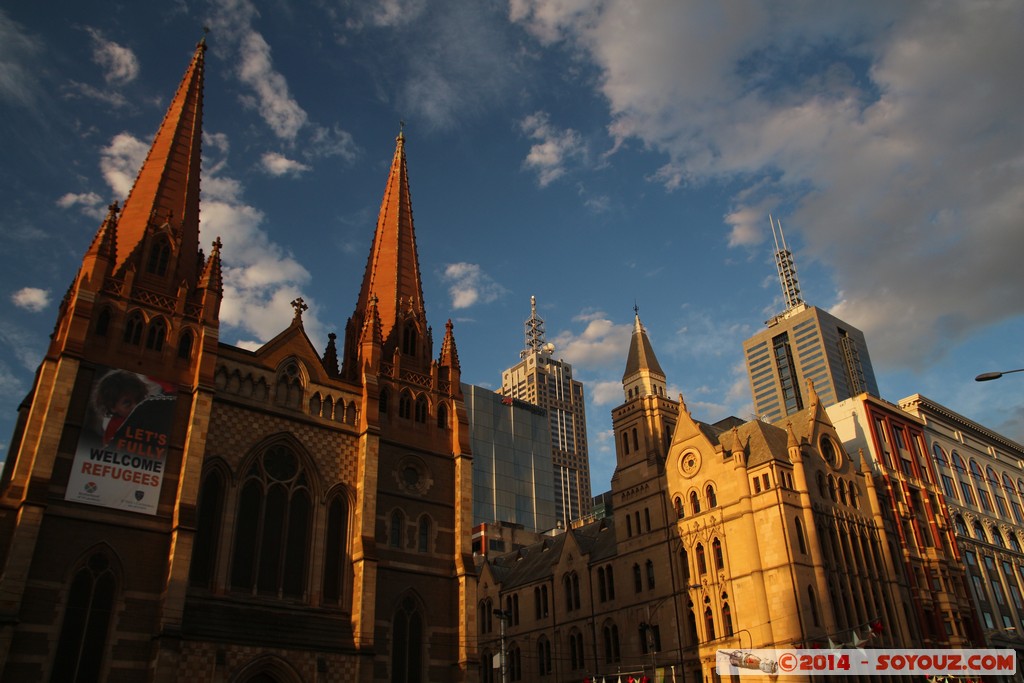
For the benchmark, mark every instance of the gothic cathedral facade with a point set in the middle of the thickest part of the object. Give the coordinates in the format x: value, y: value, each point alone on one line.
x: 177, y: 508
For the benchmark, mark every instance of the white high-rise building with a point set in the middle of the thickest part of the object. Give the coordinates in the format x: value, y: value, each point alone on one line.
x: 541, y: 379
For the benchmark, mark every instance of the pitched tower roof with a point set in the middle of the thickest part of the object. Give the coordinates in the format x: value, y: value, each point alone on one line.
x: 643, y: 372
x: 166, y: 190
x: 393, y: 269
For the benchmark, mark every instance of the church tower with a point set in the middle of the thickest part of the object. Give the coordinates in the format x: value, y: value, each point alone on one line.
x: 98, y: 495
x: 644, y: 424
x: 176, y: 508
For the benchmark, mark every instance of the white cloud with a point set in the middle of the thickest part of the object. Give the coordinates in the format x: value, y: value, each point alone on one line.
x: 120, y: 162
x: 277, y: 164
x: 553, y: 150
x: 268, y: 89
x: 896, y: 130
x: 74, y: 90
x: 18, y: 70
x: 468, y: 285
x: 331, y: 142
x: 90, y: 203
x: 261, y: 277
x: 601, y: 342
x: 120, y: 64
x: 31, y: 299
x: 605, y: 393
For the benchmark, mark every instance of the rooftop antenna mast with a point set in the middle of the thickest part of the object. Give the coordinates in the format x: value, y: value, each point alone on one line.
x: 786, y: 266
x: 534, y: 331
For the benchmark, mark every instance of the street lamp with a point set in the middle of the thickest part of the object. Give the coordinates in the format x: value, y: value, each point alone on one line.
x: 503, y: 617
x: 989, y: 376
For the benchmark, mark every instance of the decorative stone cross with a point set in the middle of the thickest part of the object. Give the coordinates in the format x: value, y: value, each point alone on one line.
x: 299, y: 305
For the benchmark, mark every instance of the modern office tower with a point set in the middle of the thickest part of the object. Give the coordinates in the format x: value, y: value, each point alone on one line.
x: 513, y: 478
x: 801, y: 344
x: 545, y: 381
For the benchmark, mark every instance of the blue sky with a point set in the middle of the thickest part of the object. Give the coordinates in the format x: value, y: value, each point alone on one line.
x: 594, y: 153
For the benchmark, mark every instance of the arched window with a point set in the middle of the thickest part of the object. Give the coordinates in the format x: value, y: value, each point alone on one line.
x: 409, y: 339
x: 702, y: 565
x: 576, y: 660
x: 383, y: 400
x: 842, y: 491
x: 636, y: 442
x: 1014, y: 543
x: 103, y: 322
x: 997, y: 537
x: 512, y: 609
x: 975, y: 469
x: 694, y: 502
x: 485, y: 613
x: 716, y: 551
x: 159, y: 256
x: 602, y: 587
x: 514, y: 663
x: 801, y: 543
x: 638, y: 579
x: 813, y: 602
x: 610, y: 575
x: 979, y: 532
x: 940, y: 456
x: 625, y: 443
x: 442, y: 415
x: 961, y: 526
x: 709, y: 492
x: 407, y: 644
x: 421, y: 409
x: 571, y: 584
x: 684, y: 561
x: 822, y: 490
x: 397, y: 529
x: 423, y: 544
x: 335, y: 549
x: 709, y: 623
x: 543, y: 656
x: 677, y: 503
x: 208, y: 521
x: 726, y: 620
x: 272, y: 536
x: 611, y: 643
x: 650, y: 575
x: 185, y: 342
x: 83, y: 634
x: 133, y: 328
x: 486, y: 667
x: 958, y: 463
x: 156, y: 334
x: 405, y: 405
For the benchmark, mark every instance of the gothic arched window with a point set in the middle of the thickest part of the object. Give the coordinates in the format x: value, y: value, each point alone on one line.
x: 409, y: 339
x: 207, y: 539
x: 423, y: 542
x: 694, y: 502
x: 83, y: 635
x: 156, y: 334
x: 335, y: 549
x: 159, y: 256
x: 716, y: 550
x: 709, y: 623
x: 103, y: 322
x: 442, y: 415
x: 133, y: 328
x: 712, y: 498
x: 397, y: 527
x: 272, y: 537
x: 185, y: 342
x: 421, y: 409
x: 407, y: 644
x: 405, y: 405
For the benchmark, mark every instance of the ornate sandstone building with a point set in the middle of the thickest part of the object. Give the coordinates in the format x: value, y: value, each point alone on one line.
x: 176, y: 508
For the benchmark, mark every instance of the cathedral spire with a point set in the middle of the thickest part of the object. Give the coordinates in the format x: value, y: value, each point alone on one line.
x: 166, y: 191
x: 392, y: 269
x: 643, y: 375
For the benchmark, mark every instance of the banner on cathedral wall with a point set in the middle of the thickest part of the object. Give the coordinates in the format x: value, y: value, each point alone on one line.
x: 122, y: 449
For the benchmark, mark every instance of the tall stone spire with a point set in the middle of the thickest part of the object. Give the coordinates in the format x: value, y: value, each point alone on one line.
x: 166, y: 191
x: 393, y: 269
x: 643, y: 375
